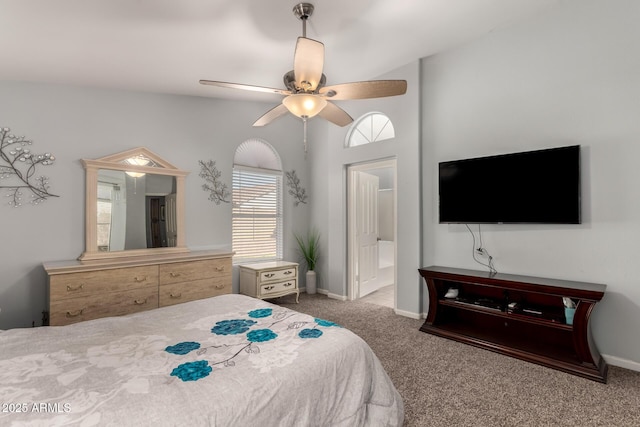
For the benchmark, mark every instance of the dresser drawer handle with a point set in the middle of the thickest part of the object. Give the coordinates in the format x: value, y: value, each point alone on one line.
x: 288, y: 272
x: 220, y: 268
x: 269, y: 275
x: 77, y: 288
x: 75, y: 313
x: 172, y: 274
x: 172, y: 295
x: 219, y: 286
x: 140, y: 302
x: 139, y: 279
x: 268, y: 288
x: 286, y: 285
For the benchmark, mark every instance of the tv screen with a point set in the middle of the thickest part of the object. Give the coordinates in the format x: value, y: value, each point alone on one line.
x: 540, y: 187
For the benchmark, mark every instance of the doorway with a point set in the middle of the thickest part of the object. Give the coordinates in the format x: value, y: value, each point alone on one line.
x: 156, y: 222
x: 371, y: 231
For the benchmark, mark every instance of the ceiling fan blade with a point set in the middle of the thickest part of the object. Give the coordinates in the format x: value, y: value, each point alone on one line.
x: 366, y: 89
x: 271, y: 115
x: 335, y: 115
x: 308, y: 62
x: 245, y: 87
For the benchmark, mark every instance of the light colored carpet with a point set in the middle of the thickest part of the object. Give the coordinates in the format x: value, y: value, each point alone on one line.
x: 446, y: 383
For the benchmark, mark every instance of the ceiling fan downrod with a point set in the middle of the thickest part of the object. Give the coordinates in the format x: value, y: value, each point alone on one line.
x: 303, y: 11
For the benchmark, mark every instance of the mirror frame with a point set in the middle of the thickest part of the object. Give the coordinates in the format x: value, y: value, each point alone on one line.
x: 115, y: 162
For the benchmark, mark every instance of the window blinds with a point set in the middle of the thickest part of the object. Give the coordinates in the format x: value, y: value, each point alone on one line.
x: 257, y: 214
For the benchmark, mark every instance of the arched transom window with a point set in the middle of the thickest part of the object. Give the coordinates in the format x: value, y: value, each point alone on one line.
x: 372, y: 127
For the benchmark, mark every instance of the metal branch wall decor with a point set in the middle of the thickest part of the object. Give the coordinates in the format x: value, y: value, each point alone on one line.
x: 218, y: 190
x: 17, y: 168
x: 295, y: 189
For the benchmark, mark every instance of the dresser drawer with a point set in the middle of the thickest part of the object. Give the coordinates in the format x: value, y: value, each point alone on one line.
x: 276, y: 275
x: 275, y: 288
x: 72, y: 285
x: 64, y: 312
x: 176, y: 293
x: 194, y: 270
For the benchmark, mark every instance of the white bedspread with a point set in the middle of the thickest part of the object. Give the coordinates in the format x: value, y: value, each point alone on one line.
x: 224, y: 361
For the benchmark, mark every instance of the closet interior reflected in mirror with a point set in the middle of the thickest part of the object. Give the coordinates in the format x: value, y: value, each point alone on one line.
x: 134, y: 206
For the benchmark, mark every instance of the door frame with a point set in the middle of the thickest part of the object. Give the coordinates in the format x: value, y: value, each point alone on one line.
x: 352, y: 249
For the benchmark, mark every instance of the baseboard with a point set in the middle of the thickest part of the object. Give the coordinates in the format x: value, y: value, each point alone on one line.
x: 621, y: 363
x: 330, y: 295
x: 407, y: 314
x: 336, y: 296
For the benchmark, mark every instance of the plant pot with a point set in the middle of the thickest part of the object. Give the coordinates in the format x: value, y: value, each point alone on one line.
x: 311, y: 282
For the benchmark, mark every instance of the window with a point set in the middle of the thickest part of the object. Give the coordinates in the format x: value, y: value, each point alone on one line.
x: 257, y: 203
x: 105, y: 202
x: 372, y: 127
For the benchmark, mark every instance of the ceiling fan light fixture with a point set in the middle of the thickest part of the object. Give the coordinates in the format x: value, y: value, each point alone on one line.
x: 137, y: 161
x: 304, y: 104
x: 135, y: 174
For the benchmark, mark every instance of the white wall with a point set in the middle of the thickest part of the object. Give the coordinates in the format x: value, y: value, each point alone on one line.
x: 570, y: 76
x: 75, y: 123
x: 329, y: 213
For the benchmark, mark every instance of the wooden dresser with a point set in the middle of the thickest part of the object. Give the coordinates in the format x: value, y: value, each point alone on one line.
x: 269, y: 279
x: 85, y: 290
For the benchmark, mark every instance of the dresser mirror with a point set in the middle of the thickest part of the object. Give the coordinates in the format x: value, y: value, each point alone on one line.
x: 134, y: 206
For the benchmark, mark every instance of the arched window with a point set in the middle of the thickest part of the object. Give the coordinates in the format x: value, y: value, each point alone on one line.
x: 257, y: 202
x: 372, y: 127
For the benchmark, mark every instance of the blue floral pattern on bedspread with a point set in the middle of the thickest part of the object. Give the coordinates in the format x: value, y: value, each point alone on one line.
x: 183, y: 347
x: 310, y: 333
x: 232, y: 327
x: 224, y: 350
x: 192, y: 371
x: 261, y: 312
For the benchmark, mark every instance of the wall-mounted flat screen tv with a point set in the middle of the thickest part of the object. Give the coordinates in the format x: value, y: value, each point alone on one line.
x: 540, y: 187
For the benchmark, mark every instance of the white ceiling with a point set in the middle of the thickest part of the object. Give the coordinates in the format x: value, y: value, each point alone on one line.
x: 166, y: 46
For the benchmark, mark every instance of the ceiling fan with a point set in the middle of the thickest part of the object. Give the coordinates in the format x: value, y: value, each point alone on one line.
x: 306, y: 94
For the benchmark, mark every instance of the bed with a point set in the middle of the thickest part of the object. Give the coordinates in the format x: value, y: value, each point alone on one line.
x: 230, y: 360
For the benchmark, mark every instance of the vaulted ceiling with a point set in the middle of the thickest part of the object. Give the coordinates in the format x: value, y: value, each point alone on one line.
x: 167, y: 46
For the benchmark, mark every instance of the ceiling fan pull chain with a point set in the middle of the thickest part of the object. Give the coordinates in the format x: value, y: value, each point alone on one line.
x: 304, y: 125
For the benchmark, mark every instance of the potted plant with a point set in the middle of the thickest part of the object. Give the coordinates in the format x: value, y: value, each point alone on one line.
x: 310, y: 251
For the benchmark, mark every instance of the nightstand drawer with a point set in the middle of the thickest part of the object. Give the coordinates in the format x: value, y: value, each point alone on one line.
x: 274, y: 288
x: 276, y: 275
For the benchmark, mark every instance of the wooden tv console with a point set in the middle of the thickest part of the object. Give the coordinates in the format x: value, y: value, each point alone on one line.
x: 534, y: 330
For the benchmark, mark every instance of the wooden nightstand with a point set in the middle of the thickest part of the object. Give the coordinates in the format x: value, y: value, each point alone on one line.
x: 269, y: 279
